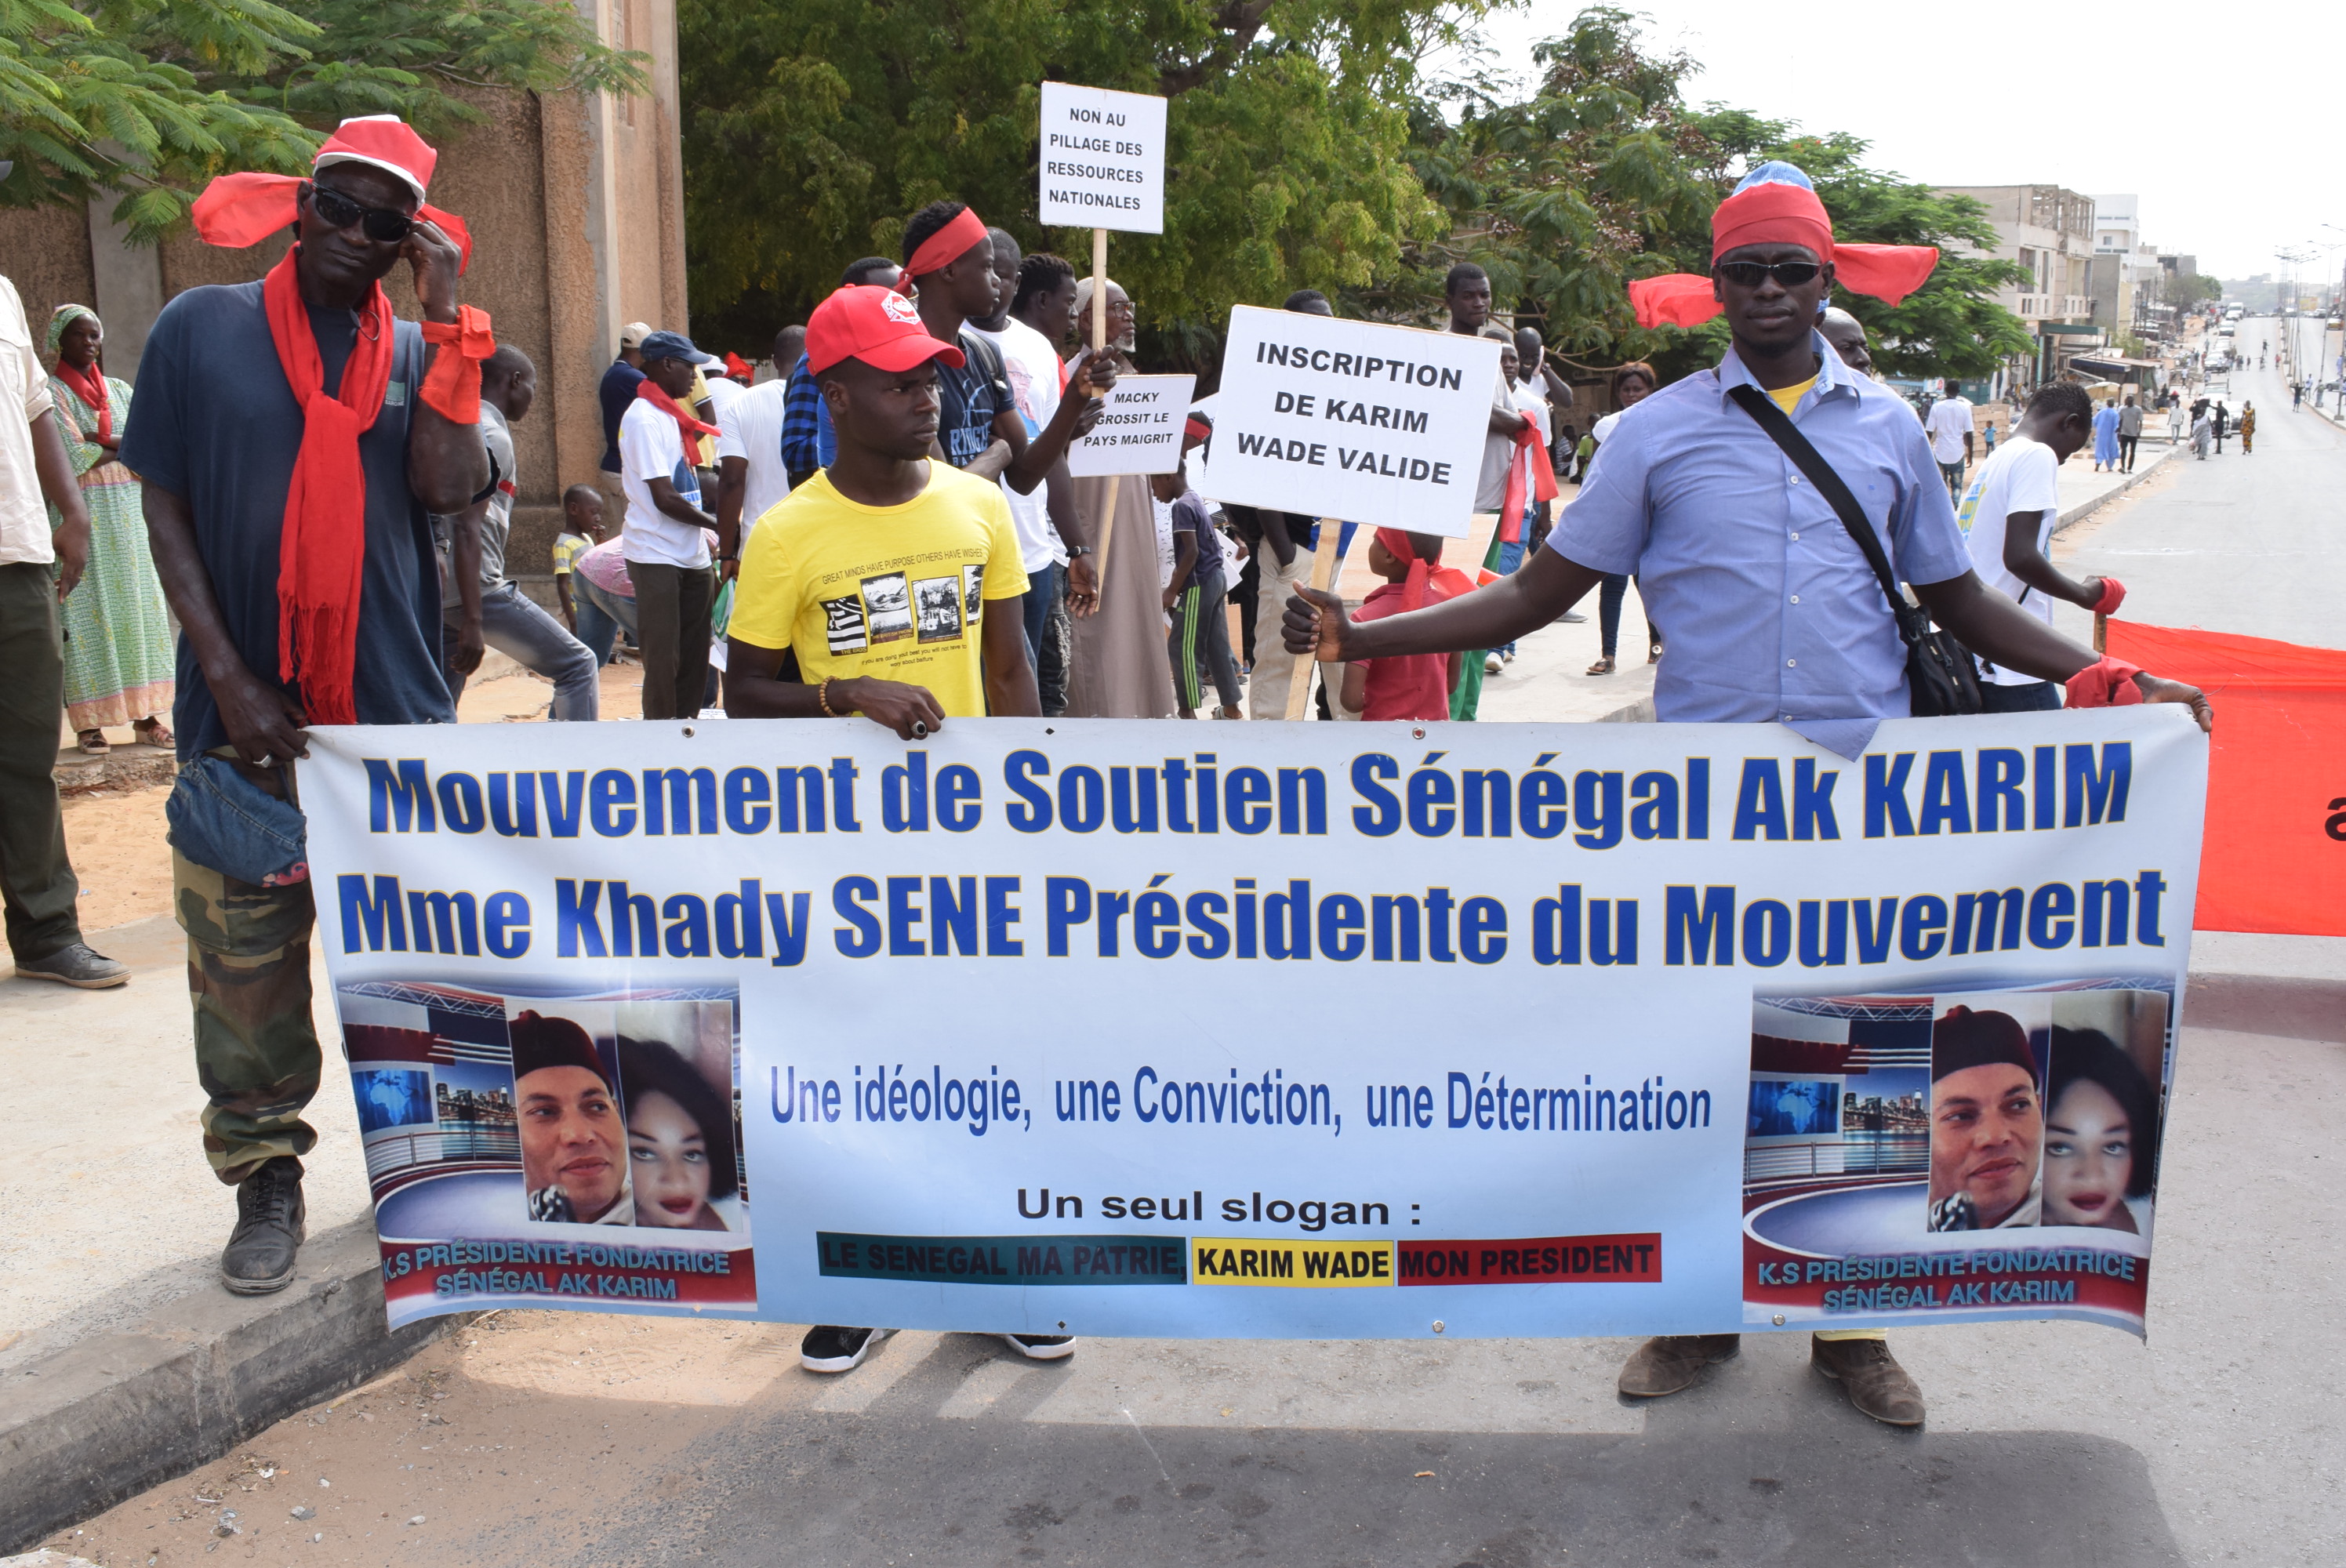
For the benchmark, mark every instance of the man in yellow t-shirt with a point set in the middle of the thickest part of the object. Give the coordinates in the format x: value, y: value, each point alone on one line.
x: 878, y: 572
x: 885, y: 575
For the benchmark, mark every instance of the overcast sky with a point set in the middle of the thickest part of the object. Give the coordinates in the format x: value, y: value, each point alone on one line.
x: 1968, y: 95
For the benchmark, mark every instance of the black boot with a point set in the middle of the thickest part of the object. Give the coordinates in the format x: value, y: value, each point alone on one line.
x: 260, y: 1256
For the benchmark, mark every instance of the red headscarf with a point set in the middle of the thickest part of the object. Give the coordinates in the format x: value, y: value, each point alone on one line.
x: 321, y: 553
x: 1775, y: 204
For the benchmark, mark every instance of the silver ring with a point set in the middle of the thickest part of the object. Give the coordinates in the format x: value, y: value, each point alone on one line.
x: 270, y: 761
x: 919, y: 728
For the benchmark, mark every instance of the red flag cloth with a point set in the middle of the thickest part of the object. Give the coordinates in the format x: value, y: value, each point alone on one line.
x: 323, y: 551
x: 2273, y: 856
x: 686, y: 426
x: 2113, y: 595
x: 1523, y: 473
x: 90, y: 387
x: 451, y: 387
x: 737, y: 368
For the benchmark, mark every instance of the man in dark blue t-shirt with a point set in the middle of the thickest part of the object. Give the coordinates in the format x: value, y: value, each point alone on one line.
x: 616, y: 394
x: 214, y: 437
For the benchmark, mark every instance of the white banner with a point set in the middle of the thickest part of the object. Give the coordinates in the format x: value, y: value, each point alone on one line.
x: 1139, y: 428
x: 1103, y: 160
x: 1303, y: 1030
x: 1378, y: 426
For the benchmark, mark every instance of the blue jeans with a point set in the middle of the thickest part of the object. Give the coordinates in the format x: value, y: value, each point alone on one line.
x: 602, y: 616
x: 513, y: 623
x: 2036, y: 696
x: 1510, y: 560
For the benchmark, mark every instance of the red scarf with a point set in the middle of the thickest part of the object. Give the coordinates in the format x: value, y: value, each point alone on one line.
x: 686, y: 426
x: 90, y: 387
x: 323, y: 551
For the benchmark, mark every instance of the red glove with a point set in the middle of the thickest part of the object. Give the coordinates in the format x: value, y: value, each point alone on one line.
x: 2113, y: 595
x: 2109, y: 684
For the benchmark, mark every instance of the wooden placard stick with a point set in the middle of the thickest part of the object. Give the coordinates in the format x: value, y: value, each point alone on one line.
x: 1099, y: 345
x: 2101, y: 634
x: 1324, y: 573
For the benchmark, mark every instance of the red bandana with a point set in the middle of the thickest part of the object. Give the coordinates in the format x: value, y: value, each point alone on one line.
x: 323, y: 550
x: 948, y: 245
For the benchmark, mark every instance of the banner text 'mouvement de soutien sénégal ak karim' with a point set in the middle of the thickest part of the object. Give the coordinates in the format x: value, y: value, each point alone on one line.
x: 1307, y: 1030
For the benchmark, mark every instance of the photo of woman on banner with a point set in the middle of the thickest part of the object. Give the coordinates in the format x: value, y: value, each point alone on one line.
x: 573, y: 1143
x: 1987, y: 1122
x: 680, y: 1149
x: 2101, y: 1129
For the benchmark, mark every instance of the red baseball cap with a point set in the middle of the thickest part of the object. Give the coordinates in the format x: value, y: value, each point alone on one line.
x: 879, y: 325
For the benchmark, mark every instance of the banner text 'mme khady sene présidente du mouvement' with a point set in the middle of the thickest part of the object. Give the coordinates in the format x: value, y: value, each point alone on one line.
x: 1264, y: 1031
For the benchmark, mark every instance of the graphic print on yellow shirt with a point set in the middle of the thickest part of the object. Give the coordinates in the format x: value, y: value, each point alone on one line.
x: 897, y: 593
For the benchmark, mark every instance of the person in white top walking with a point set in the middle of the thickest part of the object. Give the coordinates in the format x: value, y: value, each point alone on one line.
x: 667, y: 557
x: 1950, y: 427
x: 751, y: 475
x: 2007, y: 518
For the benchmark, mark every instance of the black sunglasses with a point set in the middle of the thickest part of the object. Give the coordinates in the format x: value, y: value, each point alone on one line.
x: 1751, y: 274
x: 385, y: 224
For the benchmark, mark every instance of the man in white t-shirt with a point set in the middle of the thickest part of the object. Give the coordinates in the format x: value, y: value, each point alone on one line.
x: 2007, y: 517
x: 1950, y: 427
x: 1037, y: 314
x: 666, y: 559
x: 750, y: 477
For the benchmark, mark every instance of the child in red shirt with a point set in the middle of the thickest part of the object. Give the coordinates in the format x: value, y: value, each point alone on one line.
x: 1414, y: 686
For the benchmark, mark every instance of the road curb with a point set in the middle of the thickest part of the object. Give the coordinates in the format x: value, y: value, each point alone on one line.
x: 2087, y: 508
x: 104, y: 1418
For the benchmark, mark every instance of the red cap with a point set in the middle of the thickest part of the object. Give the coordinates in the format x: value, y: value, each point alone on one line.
x: 383, y: 142
x: 876, y: 325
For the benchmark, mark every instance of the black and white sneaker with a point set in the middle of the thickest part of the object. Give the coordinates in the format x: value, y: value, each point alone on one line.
x: 1041, y: 1346
x: 827, y: 1348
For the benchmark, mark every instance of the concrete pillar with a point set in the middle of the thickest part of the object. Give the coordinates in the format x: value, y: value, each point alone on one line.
x: 128, y: 283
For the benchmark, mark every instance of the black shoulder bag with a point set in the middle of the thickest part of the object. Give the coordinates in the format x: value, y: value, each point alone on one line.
x: 1940, y: 679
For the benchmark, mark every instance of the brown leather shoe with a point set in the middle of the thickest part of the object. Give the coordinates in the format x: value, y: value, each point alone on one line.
x: 1670, y: 1362
x: 1871, y: 1378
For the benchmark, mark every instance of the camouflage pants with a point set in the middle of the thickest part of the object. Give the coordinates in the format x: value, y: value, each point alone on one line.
x: 256, y: 1048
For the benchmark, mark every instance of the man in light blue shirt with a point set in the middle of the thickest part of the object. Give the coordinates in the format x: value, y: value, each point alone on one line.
x: 1774, y: 615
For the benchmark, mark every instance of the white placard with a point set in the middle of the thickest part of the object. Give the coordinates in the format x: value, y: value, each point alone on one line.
x: 1140, y: 429
x: 1103, y: 160
x: 1375, y: 425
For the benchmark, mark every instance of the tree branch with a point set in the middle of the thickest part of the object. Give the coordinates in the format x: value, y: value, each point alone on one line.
x: 1238, y: 21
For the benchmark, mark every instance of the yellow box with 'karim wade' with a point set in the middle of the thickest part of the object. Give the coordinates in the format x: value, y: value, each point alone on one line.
x: 1308, y: 1265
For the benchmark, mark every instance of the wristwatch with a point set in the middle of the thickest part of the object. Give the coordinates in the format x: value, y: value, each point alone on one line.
x: 1075, y: 549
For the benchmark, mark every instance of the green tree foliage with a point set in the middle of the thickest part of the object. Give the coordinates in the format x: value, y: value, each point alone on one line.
x: 2186, y: 290
x: 1599, y: 177
x: 152, y: 97
x: 1603, y: 175
x: 814, y: 128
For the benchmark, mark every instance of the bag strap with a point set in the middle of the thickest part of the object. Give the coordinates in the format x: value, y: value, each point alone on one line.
x: 1811, y: 462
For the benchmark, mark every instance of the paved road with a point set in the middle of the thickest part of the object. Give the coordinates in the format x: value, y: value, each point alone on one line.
x: 593, y: 1439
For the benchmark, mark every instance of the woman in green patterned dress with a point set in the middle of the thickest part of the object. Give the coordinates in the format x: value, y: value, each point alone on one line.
x: 119, y: 666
